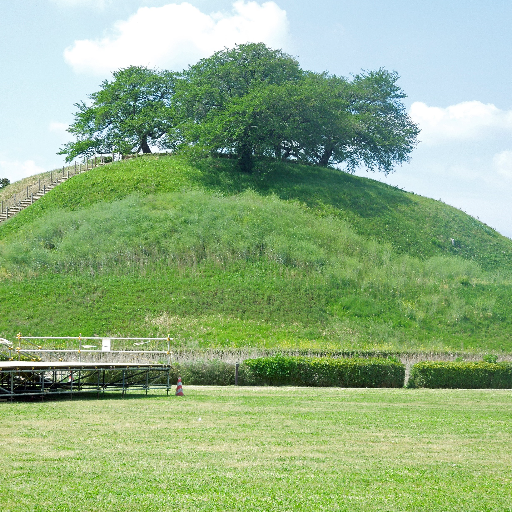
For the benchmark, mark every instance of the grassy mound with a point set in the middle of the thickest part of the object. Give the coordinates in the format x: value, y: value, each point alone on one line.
x: 290, y: 256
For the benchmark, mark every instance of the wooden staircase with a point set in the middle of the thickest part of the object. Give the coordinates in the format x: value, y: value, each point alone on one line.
x: 14, y: 206
x: 9, y: 211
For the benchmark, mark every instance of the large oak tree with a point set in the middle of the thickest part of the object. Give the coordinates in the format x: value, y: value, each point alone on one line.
x: 247, y: 102
x: 252, y: 101
x: 128, y: 114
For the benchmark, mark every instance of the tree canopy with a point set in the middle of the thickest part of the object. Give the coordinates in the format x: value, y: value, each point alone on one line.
x: 249, y: 102
x: 126, y: 115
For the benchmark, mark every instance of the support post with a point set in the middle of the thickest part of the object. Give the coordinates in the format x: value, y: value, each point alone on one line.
x: 236, y: 373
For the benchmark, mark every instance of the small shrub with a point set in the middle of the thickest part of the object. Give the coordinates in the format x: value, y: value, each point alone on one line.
x: 316, y: 371
x: 490, y: 358
x: 460, y: 375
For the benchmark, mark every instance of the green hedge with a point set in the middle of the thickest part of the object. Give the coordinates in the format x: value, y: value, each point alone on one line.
x: 316, y: 371
x: 460, y: 375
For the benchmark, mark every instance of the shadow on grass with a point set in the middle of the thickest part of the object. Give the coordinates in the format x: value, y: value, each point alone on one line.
x: 317, y: 187
x: 90, y: 396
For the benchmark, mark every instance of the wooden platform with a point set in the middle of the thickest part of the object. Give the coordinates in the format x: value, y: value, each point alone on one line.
x: 42, y: 379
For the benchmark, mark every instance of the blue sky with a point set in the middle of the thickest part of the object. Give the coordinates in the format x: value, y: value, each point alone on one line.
x: 453, y: 56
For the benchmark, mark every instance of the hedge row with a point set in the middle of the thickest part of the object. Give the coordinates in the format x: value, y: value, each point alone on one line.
x: 293, y: 371
x: 460, y: 375
x: 316, y: 371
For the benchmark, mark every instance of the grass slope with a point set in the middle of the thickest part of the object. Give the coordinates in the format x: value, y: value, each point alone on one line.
x: 261, y: 449
x: 290, y: 256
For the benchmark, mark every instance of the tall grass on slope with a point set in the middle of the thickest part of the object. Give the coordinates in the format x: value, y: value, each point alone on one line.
x: 185, y: 229
x: 411, y: 224
x: 236, y: 270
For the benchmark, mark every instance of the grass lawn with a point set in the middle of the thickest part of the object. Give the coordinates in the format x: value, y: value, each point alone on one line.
x: 228, y: 448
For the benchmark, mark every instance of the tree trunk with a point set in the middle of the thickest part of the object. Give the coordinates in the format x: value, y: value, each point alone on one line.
x: 326, y: 156
x: 245, y: 159
x: 144, y: 145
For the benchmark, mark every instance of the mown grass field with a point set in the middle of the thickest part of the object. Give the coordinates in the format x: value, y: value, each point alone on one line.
x: 236, y: 448
x: 288, y: 257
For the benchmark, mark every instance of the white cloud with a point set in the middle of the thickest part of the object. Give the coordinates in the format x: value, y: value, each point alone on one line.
x: 464, y: 121
x: 15, y: 170
x: 176, y: 35
x: 503, y: 164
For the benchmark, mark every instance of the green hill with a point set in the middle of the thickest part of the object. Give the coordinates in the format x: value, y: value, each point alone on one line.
x: 290, y: 256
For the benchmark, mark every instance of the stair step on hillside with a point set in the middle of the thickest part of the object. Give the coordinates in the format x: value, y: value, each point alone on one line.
x: 39, y: 193
x: 13, y: 210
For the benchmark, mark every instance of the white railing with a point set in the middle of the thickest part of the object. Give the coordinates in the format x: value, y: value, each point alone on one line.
x: 28, y: 345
